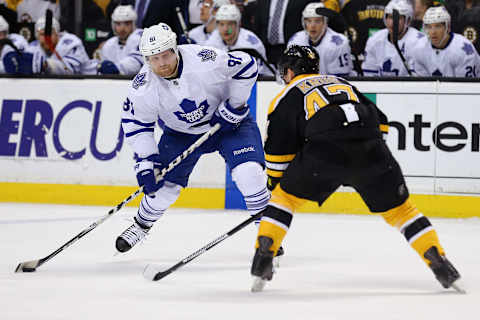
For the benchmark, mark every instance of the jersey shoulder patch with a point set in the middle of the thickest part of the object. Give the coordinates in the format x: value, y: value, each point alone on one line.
x: 139, y: 80
x: 207, y: 54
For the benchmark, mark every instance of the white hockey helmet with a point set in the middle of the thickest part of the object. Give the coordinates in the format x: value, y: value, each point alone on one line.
x: 218, y: 3
x: 40, y: 25
x: 156, y: 39
x: 437, y: 15
x: 228, y: 12
x: 3, y: 24
x: 310, y: 11
x: 404, y: 8
x: 124, y: 13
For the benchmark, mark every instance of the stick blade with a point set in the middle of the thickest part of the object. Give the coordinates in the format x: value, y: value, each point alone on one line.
x: 150, y: 272
x: 27, y: 266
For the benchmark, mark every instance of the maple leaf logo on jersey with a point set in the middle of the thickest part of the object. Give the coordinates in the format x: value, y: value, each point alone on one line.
x: 192, y: 113
x: 207, y: 54
x: 467, y: 48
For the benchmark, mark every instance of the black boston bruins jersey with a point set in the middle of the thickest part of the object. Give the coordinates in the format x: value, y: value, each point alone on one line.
x: 363, y: 18
x: 313, y: 106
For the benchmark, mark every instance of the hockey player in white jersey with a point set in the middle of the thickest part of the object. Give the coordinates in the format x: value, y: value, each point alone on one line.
x: 200, y: 34
x: 229, y: 35
x: 11, y: 47
x: 120, y: 54
x: 69, y: 57
x: 444, y: 54
x: 381, y: 57
x: 190, y: 88
x: 332, y: 47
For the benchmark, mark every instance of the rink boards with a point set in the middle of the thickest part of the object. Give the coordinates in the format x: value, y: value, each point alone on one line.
x: 60, y: 142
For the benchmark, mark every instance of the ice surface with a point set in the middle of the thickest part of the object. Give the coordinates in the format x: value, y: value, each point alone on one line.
x: 335, y: 267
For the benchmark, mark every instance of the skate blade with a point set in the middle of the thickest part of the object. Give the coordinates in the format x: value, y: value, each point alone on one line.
x: 457, y: 285
x: 258, y: 284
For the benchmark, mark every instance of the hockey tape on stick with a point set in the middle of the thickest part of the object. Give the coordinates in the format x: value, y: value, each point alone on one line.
x: 31, y: 266
x: 395, y: 34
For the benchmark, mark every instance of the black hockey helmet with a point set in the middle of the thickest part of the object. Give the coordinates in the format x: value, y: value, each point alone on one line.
x: 301, y: 59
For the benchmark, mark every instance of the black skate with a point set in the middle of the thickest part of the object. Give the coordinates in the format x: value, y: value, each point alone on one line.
x: 443, y: 269
x: 262, y: 265
x: 131, y: 236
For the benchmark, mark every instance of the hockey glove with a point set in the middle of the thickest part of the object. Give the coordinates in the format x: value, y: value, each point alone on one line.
x: 108, y: 67
x: 16, y: 63
x: 228, y: 116
x: 144, y: 168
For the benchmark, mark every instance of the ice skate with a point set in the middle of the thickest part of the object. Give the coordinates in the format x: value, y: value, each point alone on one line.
x: 131, y: 236
x: 443, y: 269
x: 262, y: 265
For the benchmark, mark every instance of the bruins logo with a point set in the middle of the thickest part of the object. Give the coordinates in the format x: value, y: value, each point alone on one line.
x: 470, y: 33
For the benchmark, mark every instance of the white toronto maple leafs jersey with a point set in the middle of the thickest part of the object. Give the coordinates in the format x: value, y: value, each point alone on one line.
x: 70, y: 48
x: 199, y: 35
x: 246, y: 40
x: 18, y: 41
x: 206, y: 77
x: 381, y: 57
x: 458, y: 59
x: 127, y: 57
x: 333, y: 49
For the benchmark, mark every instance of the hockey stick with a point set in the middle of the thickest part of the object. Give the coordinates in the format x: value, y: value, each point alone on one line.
x: 31, y: 266
x: 153, y: 272
x: 183, y: 25
x: 48, y: 37
x: 396, y: 18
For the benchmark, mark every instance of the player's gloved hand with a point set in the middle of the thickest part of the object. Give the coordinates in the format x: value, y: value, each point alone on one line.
x: 108, y: 67
x: 228, y: 116
x: 145, y: 170
x: 16, y: 63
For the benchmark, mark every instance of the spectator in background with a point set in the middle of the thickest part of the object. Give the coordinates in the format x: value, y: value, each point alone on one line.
x: 230, y: 36
x: 363, y: 18
x: 381, y: 57
x: 120, y: 54
x: 275, y: 22
x: 419, y: 10
x: 466, y: 19
x: 152, y: 12
x: 10, y: 44
x: 443, y: 53
x: 201, y: 33
x: 332, y: 47
x: 95, y: 25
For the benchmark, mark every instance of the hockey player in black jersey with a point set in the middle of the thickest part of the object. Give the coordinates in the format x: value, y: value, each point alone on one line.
x: 323, y: 133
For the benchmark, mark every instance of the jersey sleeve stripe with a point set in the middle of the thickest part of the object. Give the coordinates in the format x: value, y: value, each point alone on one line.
x: 129, y: 134
x: 279, y: 158
x: 239, y: 75
x: 72, y: 58
x: 384, y: 127
x: 277, y: 166
x: 274, y: 173
x: 139, y: 123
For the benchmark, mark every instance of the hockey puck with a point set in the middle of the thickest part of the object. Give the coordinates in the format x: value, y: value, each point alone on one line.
x: 27, y: 269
